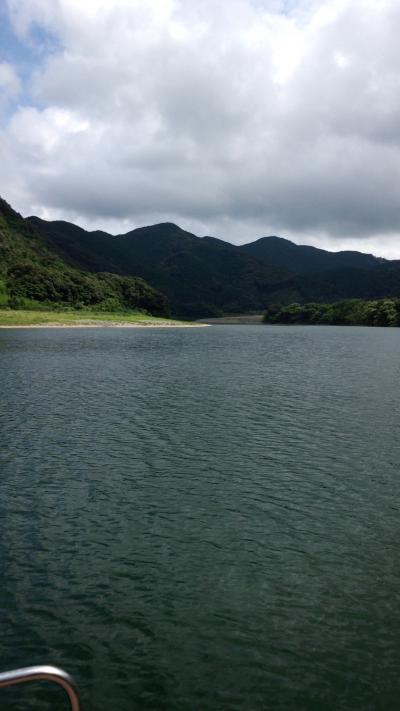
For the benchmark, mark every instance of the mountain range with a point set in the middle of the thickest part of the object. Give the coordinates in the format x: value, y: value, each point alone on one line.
x: 198, y: 276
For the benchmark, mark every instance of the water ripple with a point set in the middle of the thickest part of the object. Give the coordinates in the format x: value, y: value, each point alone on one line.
x: 202, y: 519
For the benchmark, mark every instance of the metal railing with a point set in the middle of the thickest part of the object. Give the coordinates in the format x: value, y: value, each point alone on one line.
x: 43, y: 673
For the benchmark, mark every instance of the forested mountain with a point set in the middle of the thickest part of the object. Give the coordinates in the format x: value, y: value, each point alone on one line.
x: 32, y: 273
x: 302, y: 259
x: 206, y: 276
x: 335, y: 284
x: 200, y: 277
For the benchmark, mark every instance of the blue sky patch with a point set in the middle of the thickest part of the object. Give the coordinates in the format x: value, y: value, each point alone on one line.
x: 25, y: 55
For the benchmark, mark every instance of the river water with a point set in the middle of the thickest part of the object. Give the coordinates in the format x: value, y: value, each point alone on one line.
x: 202, y: 518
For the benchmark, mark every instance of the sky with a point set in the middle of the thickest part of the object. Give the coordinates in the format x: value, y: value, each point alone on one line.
x: 236, y: 119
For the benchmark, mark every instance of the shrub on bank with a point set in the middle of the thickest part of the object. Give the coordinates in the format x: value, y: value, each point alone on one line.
x: 350, y: 312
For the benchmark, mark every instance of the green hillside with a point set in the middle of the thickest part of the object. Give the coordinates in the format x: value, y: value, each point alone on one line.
x: 208, y: 277
x: 32, y: 275
x: 322, y: 276
x: 200, y: 276
x: 60, y: 263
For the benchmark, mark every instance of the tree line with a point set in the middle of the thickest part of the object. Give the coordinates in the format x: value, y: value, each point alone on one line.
x: 28, y: 284
x: 349, y: 312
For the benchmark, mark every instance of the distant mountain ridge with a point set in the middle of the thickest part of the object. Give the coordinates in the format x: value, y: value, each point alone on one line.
x: 200, y: 276
x: 206, y: 276
x: 304, y: 259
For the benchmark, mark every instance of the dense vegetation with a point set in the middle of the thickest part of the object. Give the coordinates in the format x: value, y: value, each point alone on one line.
x: 44, y: 263
x: 200, y: 276
x: 351, y: 312
x: 208, y: 277
x: 33, y: 276
x: 106, y: 292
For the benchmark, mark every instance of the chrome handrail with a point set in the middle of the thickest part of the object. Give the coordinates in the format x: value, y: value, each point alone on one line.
x: 43, y: 673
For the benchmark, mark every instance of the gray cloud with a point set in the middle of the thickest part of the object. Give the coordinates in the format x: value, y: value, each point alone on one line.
x: 255, y: 118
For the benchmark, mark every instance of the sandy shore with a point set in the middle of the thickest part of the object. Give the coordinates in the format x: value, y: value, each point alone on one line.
x: 95, y: 323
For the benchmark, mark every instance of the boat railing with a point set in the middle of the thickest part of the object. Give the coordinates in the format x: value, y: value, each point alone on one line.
x: 43, y: 673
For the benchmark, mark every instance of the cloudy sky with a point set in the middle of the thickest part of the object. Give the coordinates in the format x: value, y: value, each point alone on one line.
x: 236, y: 118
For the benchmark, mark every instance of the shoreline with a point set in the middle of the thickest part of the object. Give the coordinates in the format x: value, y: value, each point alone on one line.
x: 26, y: 318
x: 105, y: 324
x: 238, y: 320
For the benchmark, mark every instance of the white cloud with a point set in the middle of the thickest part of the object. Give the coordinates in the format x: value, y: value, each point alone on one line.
x: 236, y: 120
x: 10, y: 84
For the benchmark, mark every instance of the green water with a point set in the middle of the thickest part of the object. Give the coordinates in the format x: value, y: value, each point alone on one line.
x: 202, y: 518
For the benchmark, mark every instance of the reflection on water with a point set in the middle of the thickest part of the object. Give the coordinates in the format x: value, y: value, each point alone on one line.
x: 202, y: 519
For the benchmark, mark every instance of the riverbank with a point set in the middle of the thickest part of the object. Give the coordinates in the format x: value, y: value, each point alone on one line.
x: 86, y: 319
x: 243, y: 319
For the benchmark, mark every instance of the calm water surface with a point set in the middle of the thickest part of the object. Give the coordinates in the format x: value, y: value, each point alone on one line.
x: 202, y: 519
